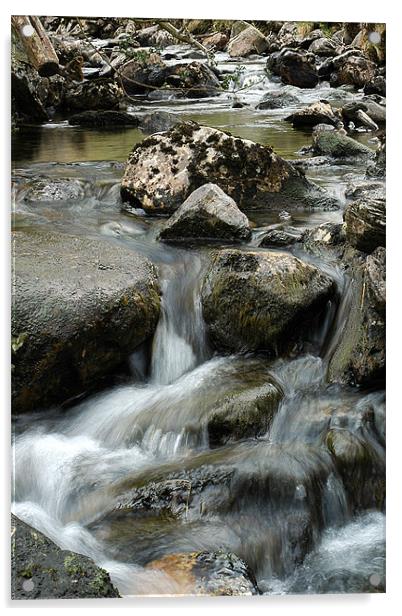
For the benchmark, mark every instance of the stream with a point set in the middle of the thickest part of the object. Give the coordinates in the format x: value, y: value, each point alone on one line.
x: 83, y: 457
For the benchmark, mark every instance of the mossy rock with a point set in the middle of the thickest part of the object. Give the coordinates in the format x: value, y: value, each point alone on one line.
x: 42, y: 570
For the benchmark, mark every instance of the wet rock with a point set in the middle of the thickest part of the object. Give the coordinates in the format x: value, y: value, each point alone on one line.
x: 361, y: 467
x: 164, y: 169
x: 145, y: 72
x: 359, y: 357
x: 365, y: 223
x: 277, y: 100
x: 196, y: 80
x: 93, y: 95
x: 251, y: 299
x: 103, y: 119
x: 159, y: 121
x: 53, y: 189
x: 326, y: 235
x: 217, y: 41
x: 294, y: 68
x: 208, y: 573
x: 323, y: 47
x: 81, y: 306
x: 316, y: 113
x: 354, y: 69
x: 248, y: 41
x: 376, y: 86
x: 352, y: 112
x: 281, y: 237
x: 335, y: 143
x: 377, y: 167
x: 365, y: 188
x: 41, y: 570
x: 207, y: 214
x: 247, y: 411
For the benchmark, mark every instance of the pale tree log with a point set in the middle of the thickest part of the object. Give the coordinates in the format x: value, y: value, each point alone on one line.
x: 37, y: 45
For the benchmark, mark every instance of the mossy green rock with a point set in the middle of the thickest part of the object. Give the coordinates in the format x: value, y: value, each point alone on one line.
x: 334, y: 143
x: 83, y: 306
x: 164, y: 169
x: 42, y: 570
x: 252, y: 299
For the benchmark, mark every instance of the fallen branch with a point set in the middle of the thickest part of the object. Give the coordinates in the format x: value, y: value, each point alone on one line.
x: 37, y: 44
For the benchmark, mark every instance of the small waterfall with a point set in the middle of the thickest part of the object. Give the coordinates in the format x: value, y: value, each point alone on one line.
x: 180, y: 340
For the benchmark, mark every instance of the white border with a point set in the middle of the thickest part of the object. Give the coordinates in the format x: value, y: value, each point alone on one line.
x: 317, y: 10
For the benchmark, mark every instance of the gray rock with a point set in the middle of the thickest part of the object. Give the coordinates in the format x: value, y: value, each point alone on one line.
x: 41, y: 570
x: 323, y: 47
x: 81, y: 306
x: 365, y: 188
x: 365, y: 223
x: 164, y: 169
x: 207, y: 214
x: 281, y: 237
x: 251, y: 299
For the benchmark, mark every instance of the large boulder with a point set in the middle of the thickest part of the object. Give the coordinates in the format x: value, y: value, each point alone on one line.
x: 208, y: 573
x: 294, y: 68
x: 359, y: 356
x: 316, y: 113
x: 365, y: 223
x: 164, y: 169
x: 41, y: 570
x: 207, y: 214
x: 216, y: 41
x: 335, y: 143
x: 248, y: 41
x: 356, y: 112
x: 80, y: 307
x: 251, y: 300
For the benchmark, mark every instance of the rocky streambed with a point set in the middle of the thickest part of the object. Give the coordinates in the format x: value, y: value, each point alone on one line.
x: 199, y: 334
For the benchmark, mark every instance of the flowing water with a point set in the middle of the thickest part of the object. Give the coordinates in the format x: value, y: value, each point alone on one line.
x: 287, y: 510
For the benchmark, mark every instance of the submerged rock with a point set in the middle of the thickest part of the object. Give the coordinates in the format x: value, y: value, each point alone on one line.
x: 53, y: 189
x: 207, y: 214
x: 248, y: 41
x: 42, y: 570
x: 164, y: 169
x: 208, y: 573
x: 365, y: 223
x: 317, y: 113
x: 159, y: 121
x: 251, y: 299
x: 81, y: 306
x: 103, y: 119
